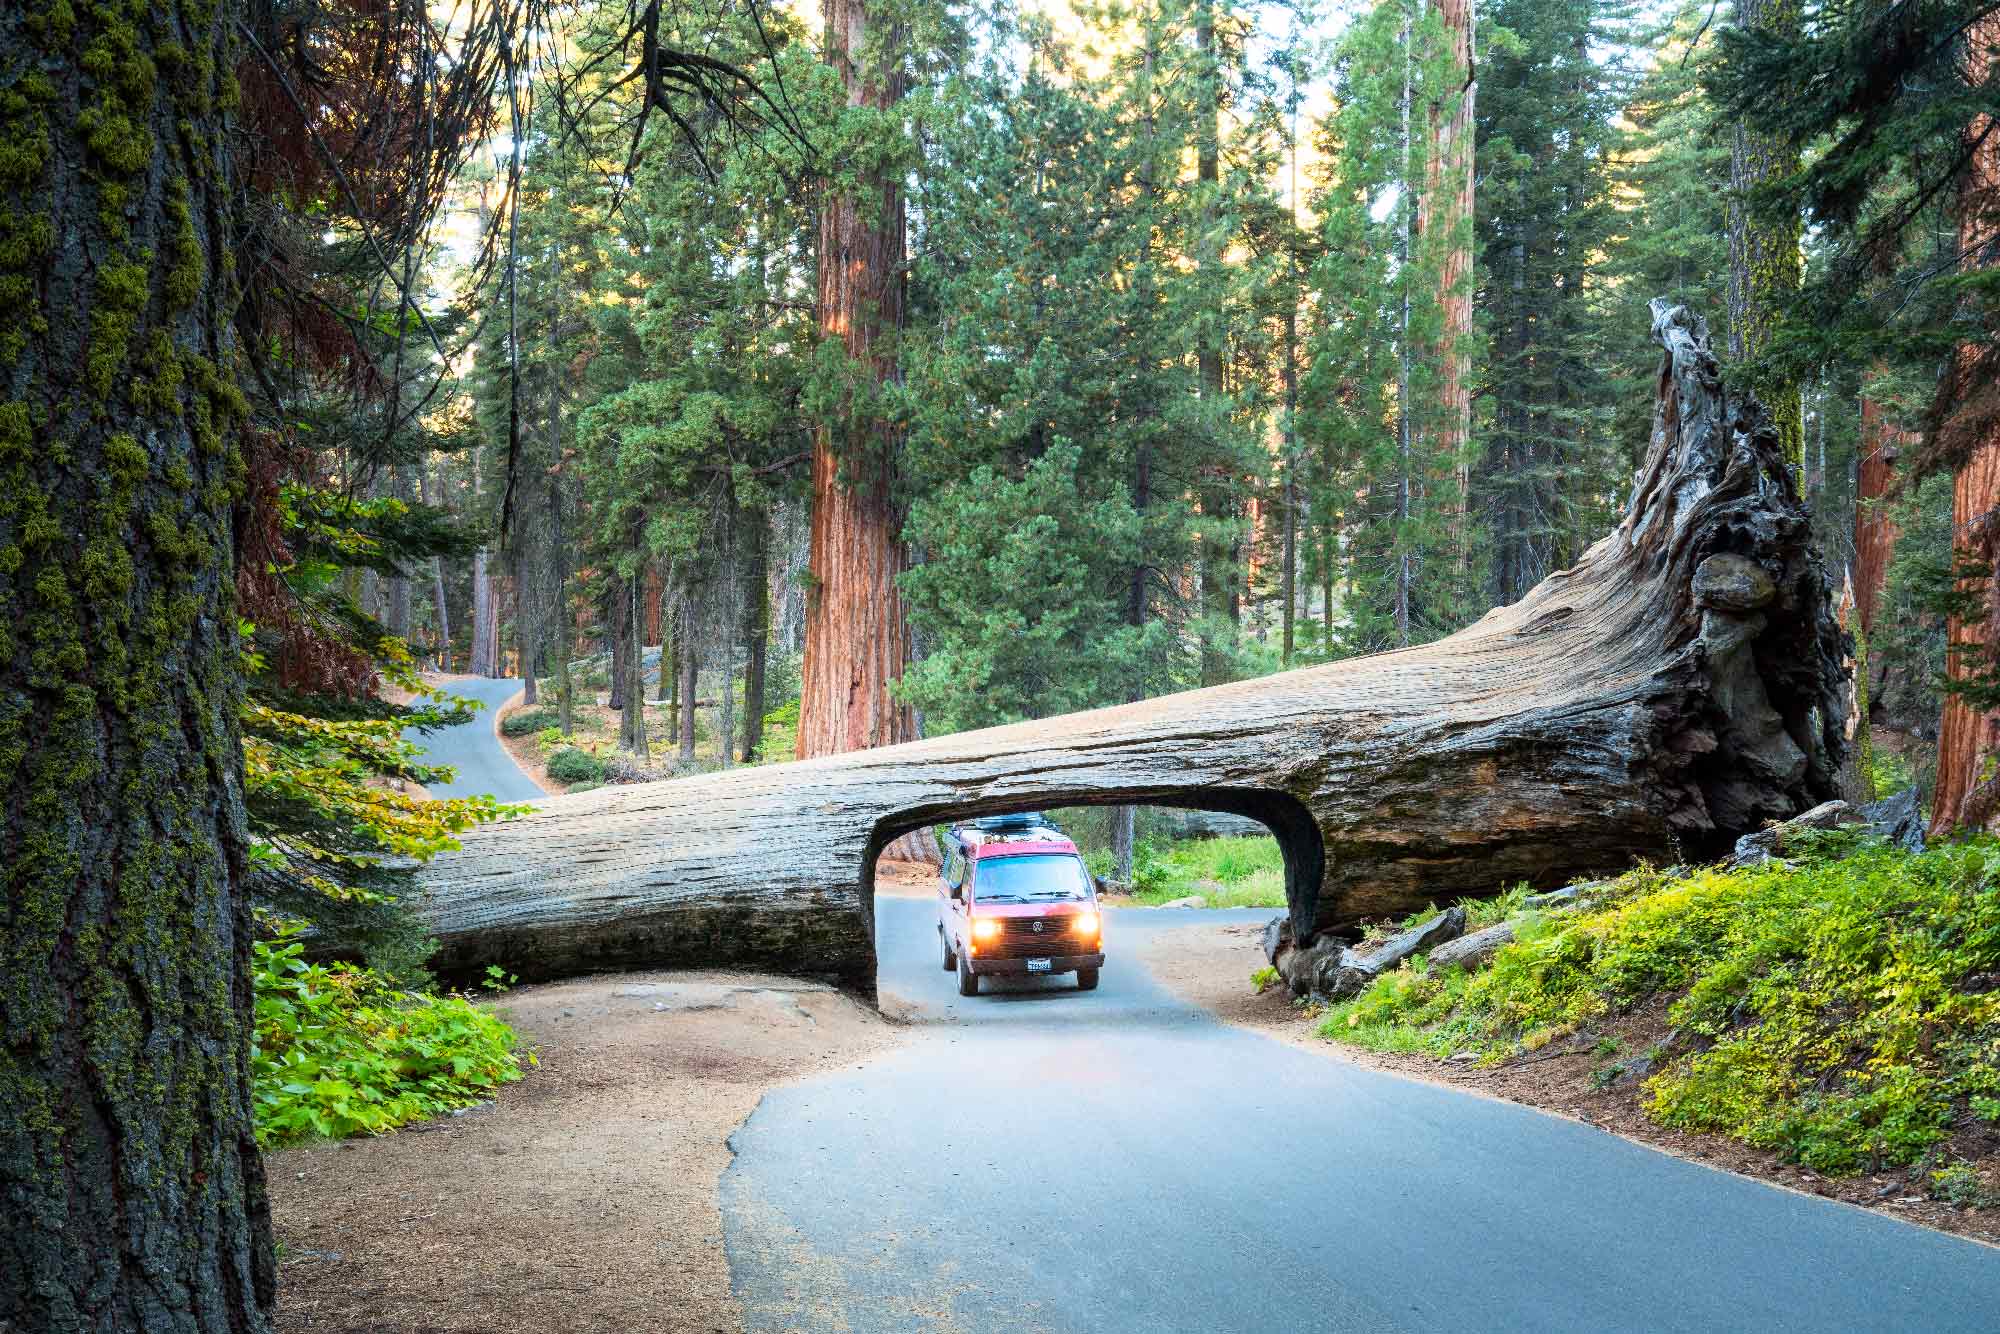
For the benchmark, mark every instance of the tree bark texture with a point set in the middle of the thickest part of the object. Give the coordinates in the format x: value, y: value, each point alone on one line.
x: 690, y: 681
x: 756, y: 627
x: 617, y: 629
x: 1219, y: 549
x: 857, y: 633
x: 131, y: 1192
x: 485, y: 658
x: 1675, y: 689
x: 1875, y: 530
x: 1765, y: 265
x: 1967, y: 795
x: 1447, y: 206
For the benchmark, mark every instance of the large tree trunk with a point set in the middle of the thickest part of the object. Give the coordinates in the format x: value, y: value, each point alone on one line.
x: 485, y: 657
x: 1764, y: 259
x: 1966, y: 795
x: 756, y: 627
x: 1675, y: 689
x: 133, y: 1193
x: 1220, y: 546
x: 1447, y: 207
x: 857, y: 634
x: 618, y: 633
x: 1875, y: 531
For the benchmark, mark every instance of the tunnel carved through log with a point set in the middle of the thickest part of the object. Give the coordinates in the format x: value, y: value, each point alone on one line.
x: 1678, y: 687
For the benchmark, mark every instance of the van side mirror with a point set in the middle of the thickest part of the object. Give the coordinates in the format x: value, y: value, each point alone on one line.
x: 958, y: 891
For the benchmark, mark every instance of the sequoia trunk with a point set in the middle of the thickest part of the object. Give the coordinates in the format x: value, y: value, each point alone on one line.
x: 1676, y: 688
x: 134, y: 1195
x: 857, y: 635
x: 1875, y: 531
x: 1966, y: 795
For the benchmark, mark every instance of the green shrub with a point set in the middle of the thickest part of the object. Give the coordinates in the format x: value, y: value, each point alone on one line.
x: 571, y: 765
x: 339, y: 1051
x: 524, y: 721
x: 1828, y: 1009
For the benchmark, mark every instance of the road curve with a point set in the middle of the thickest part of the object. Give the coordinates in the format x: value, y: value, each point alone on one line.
x: 471, y: 748
x: 1117, y: 1160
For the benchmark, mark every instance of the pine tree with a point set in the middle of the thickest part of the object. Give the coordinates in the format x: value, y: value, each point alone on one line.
x: 1395, y: 467
x: 1549, y: 471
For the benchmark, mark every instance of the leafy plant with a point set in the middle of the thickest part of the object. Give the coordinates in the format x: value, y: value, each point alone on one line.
x: 571, y: 765
x: 1264, y: 979
x: 340, y: 1051
x: 525, y: 721
x: 1826, y: 1005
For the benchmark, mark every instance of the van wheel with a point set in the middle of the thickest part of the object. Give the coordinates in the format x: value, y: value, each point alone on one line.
x: 950, y: 959
x: 1086, y: 979
x: 968, y: 981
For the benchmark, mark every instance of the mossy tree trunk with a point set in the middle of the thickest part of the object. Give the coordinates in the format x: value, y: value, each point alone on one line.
x: 1764, y: 260
x: 131, y: 1192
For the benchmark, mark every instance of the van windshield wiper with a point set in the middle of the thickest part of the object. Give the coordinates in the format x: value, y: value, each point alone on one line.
x: 1000, y: 898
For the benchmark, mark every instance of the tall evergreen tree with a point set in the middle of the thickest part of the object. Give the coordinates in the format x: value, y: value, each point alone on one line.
x: 1550, y: 467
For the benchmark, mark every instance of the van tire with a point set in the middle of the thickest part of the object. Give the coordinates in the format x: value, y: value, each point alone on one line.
x: 968, y: 981
x: 950, y: 959
x: 1086, y: 979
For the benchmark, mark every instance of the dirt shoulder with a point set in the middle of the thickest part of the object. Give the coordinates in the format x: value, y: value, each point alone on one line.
x: 1210, y: 966
x: 584, y: 1198
x: 526, y: 751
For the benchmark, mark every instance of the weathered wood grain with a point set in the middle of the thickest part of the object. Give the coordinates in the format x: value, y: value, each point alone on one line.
x: 1675, y: 689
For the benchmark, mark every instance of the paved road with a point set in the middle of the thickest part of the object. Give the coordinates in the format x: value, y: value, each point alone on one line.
x: 1116, y: 1160
x: 483, y: 764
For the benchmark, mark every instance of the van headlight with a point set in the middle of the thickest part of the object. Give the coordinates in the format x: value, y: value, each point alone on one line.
x: 985, y: 928
x: 1086, y: 923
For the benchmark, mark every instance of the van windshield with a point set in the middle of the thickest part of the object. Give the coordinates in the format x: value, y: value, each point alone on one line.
x: 1022, y: 879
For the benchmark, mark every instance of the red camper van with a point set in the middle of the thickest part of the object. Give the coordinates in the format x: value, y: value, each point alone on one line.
x: 1016, y: 900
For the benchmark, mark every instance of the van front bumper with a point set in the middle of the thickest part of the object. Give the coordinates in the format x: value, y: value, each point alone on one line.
x: 1058, y: 963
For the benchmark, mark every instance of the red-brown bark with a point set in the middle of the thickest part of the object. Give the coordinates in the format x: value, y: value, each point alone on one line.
x: 1968, y: 739
x: 1875, y: 531
x: 856, y: 633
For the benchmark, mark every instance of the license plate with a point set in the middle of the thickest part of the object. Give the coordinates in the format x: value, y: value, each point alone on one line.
x: 1038, y: 965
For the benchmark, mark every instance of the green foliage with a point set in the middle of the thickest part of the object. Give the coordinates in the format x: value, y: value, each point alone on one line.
x: 341, y: 1051
x: 1552, y: 87
x: 571, y: 765
x: 1264, y: 979
x: 525, y: 721
x: 1392, y: 477
x: 1962, y: 1185
x: 1238, y: 872
x: 1829, y: 1009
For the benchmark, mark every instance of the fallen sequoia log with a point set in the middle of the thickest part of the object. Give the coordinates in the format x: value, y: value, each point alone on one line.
x: 1677, y: 688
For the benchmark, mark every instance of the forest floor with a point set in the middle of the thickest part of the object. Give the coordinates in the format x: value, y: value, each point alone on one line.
x: 584, y: 1197
x: 1211, y: 966
x: 594, y: 730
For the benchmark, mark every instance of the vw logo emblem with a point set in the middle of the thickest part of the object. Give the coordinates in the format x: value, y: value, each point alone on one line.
x: 1039, y: 928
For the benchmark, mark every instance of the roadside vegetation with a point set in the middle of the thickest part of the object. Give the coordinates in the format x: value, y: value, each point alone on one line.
x: 1239, y: 871
x: 1841, y: 1008
x: 592, y: 751
x: 341, y: 1050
